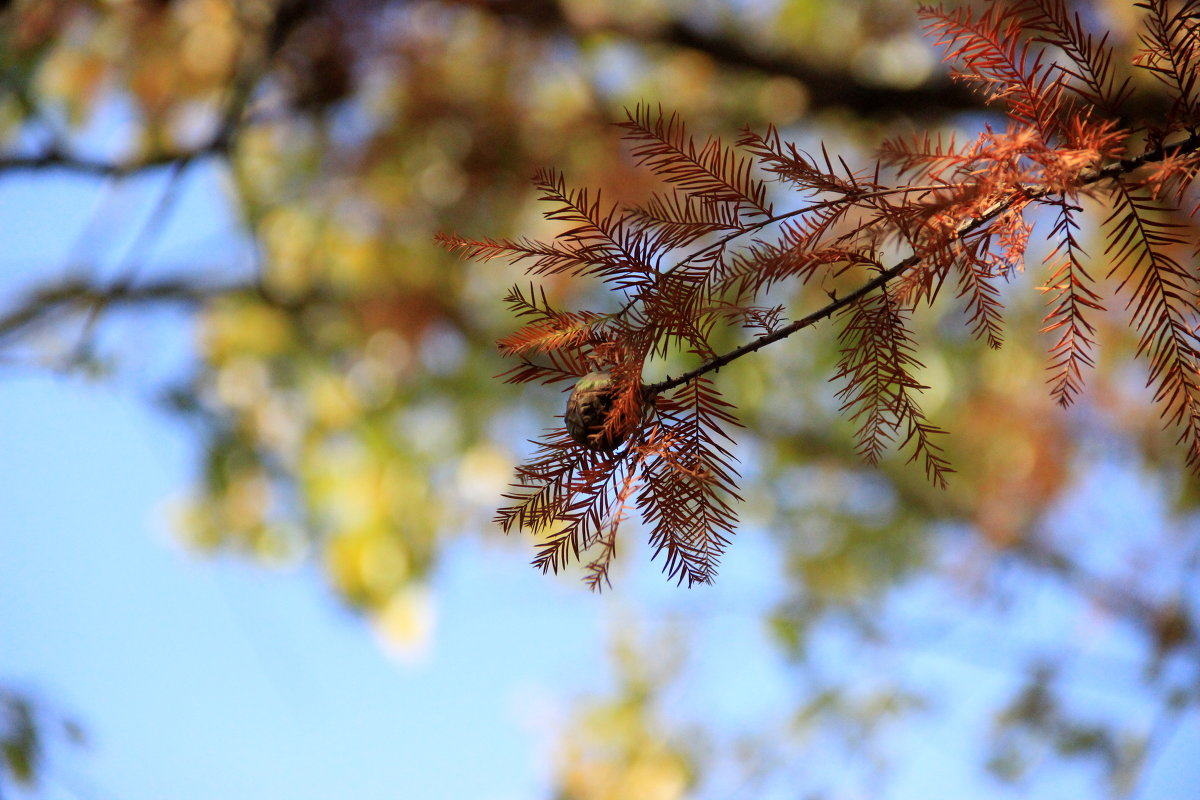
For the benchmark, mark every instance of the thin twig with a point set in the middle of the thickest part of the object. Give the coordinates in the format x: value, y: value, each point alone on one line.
x: 79, y: 294
x: 759, y: 224
x: 144, y: 239
x: 57, y: 159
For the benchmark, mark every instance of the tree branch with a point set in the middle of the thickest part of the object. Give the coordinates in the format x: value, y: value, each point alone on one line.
x: 228, y: 123
x: 827, y: 88
x: 55, y: 158
x: 715, y: 364
x: 82, y: 295
x: 1112, y: 171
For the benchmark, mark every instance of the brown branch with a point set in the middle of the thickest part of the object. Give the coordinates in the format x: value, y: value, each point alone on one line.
x: 1152, y: 156
x: 1112, y: 171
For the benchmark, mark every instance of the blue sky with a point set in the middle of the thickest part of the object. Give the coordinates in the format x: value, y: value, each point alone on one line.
x: 218, y: 679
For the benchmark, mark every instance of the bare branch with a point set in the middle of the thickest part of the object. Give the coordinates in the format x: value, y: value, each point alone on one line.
x: 57, y: 159
x: 80, y: 295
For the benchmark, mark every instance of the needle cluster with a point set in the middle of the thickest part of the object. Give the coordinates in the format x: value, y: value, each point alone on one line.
x: 704, y: 253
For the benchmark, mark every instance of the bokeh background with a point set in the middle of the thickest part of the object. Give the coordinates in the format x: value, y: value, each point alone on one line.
x: 252, y: 438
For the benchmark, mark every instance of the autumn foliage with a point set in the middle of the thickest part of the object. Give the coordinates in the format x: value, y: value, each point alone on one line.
x: 930, y: 214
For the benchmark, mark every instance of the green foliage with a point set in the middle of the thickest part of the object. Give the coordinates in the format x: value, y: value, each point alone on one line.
x: 26, y: 731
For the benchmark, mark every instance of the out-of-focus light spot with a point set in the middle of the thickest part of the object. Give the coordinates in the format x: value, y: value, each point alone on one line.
x: 585, y: 14
x: 371, y: 382
x: 688, y: 78
x: 288, y: 237
x: 389, y: 349
x: 334, y: 404
x: 442, y: 350
x: 282, y: 546
x: 937, y: 376
x: 243, y: 382
x: 246, y: 500
x: 192, y: 124
x: 441, y: 183
x: 405, y: 624
x: 208, y: 50
x: 383, y: 563
x: 194, y: 12
x: 277, y: 426
x: 345, y: 488
x: 901, y: 63
x: 430, y: 429
x: 482, y: 474
x: 782, y: 100
x: 616, y: 64
x: 350, y: 258
x: 375, y: 378
x: 231, y: 331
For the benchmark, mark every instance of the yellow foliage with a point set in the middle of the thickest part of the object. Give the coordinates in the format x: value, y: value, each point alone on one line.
x: 289, y: 238
x: 334, y: 405
x: 243, y: 382
x: 244, y: 327
x: 619, y: 757
x: 246, y: 501
x: 73, y: 77
x: 349, y: 260
x: 209, y: 50
x: 368, y: 564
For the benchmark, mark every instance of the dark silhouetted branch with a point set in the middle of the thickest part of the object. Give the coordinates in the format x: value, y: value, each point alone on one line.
x: 79, y: 295
x: 57, y: 159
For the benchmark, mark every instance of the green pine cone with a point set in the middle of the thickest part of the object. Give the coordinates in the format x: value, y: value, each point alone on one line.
x: 587, y: 409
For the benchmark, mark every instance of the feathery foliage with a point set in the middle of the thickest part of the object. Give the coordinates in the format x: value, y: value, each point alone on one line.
x: 706, y: 252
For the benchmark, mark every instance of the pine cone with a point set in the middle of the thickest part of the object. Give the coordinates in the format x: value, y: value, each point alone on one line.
x: 587, y: 409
